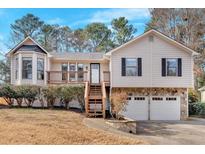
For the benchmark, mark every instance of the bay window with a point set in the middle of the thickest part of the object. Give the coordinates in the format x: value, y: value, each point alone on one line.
x: 26, y: 68
x: 40, y: 69
x: 16, y: 68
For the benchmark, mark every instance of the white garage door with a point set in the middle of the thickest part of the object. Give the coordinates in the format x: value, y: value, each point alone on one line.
x: 164, y: 108
x: 137, y: 108
x: 159, y: 108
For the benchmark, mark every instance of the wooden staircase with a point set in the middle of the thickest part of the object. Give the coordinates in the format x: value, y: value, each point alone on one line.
x: 95, y: 102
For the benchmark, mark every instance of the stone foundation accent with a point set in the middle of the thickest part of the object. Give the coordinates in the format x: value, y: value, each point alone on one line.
x: 182, y: 92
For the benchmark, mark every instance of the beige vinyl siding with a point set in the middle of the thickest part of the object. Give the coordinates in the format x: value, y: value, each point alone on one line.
x: 151, y: 54
x: 162, y: 49
x: 140, y: 49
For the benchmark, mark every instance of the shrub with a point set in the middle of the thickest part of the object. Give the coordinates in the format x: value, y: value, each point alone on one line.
x: 40, y: 97
x: 118, y: 102
x: 8, y: 93
x: 79, y: 95
x: 67, y: 94
x: 51, y: 94
x: 29, y: 93
x: 193, y: 96
x: 197, y: 108
x: 19, y: 95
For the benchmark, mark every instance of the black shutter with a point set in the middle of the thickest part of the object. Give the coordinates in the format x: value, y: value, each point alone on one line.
x: 139, y: 61
x: 179, y: 67
x: 163, y: 66
x: 123, y: 65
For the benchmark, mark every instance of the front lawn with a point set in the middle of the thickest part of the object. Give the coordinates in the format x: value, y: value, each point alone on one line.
x: 37, y: 126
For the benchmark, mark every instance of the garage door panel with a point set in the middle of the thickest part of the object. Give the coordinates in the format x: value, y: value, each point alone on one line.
x: 137, y: 108
x: 159, y: 108
x: 164, y: 108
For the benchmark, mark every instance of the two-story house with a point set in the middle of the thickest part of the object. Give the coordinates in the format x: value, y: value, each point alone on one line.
x: 155, y: 70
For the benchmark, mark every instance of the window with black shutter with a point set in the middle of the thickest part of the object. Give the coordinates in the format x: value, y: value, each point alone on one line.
x: 171, y: 67
x: 131, y: 66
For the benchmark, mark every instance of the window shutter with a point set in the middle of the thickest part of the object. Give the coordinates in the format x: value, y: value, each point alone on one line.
x: 123, y: 65
x: 139, y: 61
x: 179, y: 67
x: 163, y: 66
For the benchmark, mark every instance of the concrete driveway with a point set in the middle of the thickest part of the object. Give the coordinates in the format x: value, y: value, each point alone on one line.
x: 188, y: 132
x: 172, y: 132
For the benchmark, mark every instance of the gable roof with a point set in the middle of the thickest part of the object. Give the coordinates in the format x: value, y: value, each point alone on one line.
x: 22, y: 42
x: 153, y: 31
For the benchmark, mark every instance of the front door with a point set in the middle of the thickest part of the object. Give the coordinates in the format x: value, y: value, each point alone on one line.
x: 95, y: 73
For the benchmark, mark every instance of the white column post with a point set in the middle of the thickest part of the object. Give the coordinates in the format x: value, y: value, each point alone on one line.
x: 19, y: 69
x: 34, y: 68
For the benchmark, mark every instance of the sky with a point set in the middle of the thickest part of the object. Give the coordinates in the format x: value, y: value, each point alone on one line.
x: 72, y: 17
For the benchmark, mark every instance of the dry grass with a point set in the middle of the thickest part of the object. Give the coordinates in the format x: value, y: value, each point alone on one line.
x: 2, y: 101
x: 35, y: 126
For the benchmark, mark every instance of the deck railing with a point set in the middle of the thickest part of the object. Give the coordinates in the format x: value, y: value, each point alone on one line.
x: 60, y: 77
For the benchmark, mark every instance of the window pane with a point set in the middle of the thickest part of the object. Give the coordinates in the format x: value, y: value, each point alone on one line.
x: 131, y: 62
x: 172, y: 72
x: 172, y: 63
x: 17, y: 67
x: 80, y: 72
x: 27, y: 68
x: 171, y: 67
x: 80, y: 67
x: 131, y: 71
x: 72, y: 67
x: 40, y: 69
x: 131, y: 67
x: 64, y: 68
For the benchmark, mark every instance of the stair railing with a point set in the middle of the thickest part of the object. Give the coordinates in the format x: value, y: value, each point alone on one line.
x: 103, y: 98
x: 86, y: 97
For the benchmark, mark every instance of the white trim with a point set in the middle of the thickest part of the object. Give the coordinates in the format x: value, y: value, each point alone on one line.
x: 19, y: 81
x: 34, y: 68
x: 19, y: 44
x: 159, y: 34
x: 45, y: 73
